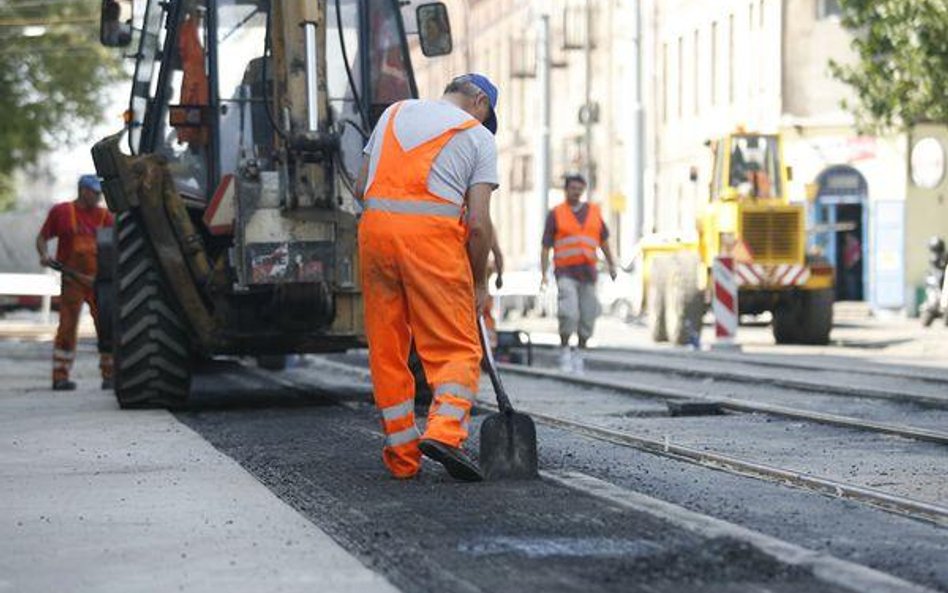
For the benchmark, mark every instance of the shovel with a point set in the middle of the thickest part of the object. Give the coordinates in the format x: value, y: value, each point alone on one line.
x: 508, y: 438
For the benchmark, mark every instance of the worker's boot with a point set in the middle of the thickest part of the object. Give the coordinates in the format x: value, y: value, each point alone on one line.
x: 64, y: 385
x: 457, y: 463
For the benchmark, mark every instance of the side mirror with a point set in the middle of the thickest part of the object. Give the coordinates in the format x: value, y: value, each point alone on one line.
x: 115, y: 24
x: 434, y: 29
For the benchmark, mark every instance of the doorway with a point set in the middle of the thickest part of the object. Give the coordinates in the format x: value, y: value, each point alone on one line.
x: 849, y: 252
x: 839, y: 230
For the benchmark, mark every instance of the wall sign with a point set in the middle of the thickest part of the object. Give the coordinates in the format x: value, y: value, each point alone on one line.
x: 928, y: 163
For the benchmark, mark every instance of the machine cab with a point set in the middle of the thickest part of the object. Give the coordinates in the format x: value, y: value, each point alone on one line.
x: 203, y: 91
x: 748, y: 165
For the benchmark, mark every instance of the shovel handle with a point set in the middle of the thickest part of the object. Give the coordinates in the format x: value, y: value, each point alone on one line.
x: 503, y: 402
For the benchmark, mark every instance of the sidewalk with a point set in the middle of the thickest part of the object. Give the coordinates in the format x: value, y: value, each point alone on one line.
x: 96, y: 499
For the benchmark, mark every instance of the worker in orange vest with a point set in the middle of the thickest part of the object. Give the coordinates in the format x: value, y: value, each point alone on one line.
x: 424, y: 237
x: 574, y: 230
x: 195, y: 89
x: 74, y: 224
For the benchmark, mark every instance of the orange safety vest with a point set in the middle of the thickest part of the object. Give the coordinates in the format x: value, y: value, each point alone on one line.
x: 83, y: 249
x: 400, y: 184
x: 575, y: 244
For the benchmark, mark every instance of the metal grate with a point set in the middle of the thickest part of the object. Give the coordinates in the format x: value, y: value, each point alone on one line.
x: 772, y: 236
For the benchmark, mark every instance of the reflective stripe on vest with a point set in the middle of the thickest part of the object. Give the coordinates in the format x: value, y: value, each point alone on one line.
x: 413, y: 207
x: 575, y: 244
x: 576, y: 239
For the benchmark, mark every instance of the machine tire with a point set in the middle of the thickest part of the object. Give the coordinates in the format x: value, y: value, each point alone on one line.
x: 806, y: 319
x: 152, y: 345
x: 272, y: 362
x: 656, y: 298
x: 104, y: 287
x: 684, y: 303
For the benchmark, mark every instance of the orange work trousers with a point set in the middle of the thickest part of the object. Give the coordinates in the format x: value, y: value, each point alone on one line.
x: 72, y: 296
x: 417, y: 283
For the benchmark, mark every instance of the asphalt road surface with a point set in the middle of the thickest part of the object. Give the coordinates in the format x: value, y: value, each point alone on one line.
x: 169, y: 502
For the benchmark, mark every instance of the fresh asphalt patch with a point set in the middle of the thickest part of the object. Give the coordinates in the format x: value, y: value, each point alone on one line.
x: 435, y: 534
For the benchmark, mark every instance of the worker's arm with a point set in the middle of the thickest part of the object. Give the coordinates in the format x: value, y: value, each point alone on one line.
x: 607, y: 251
x: 361, y: 179
x: 480, y: 237
x: 41, y: 249
x: 498, y: 262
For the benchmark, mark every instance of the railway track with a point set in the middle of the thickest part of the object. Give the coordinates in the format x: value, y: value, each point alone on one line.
x: 931, y: 387
x: 735, y: 404
x: 895, y: 503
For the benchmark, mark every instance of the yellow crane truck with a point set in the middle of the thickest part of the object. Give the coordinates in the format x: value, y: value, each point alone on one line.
x: 748, y: 217
x: 232, y: 183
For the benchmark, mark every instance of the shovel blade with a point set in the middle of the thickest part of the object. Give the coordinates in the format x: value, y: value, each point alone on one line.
x: 509, y: 447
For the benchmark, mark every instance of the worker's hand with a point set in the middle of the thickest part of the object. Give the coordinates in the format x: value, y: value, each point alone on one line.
x: 544, y: 282
x: 481, y: 295
x: 44, y: 260
x: 612, y: 272
x: 499, y: 281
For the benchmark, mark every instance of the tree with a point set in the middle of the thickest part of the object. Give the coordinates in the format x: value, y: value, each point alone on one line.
x: 901, y: 70
x: 52, y: 75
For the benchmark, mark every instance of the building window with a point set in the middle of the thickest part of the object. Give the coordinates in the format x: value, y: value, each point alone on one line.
x: 521, y: 173
x: 730, y: 59
x: 828, y: 9
x: 714, y: 63
x: 664, y: 83
x: 752, y: 56
x: 695, y: 78
x: 681, y: 76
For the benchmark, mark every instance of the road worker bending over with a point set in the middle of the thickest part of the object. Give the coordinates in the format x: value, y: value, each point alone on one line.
x: 425, y: 234
x: 574, y: 230
x: 74, y: 224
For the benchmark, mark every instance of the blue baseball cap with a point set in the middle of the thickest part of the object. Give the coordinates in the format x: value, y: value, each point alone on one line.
x: 484, y: 83
x: 90, y: 182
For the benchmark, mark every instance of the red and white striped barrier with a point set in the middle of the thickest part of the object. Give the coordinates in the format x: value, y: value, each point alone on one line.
x: 750, y: 274
x: 724, y: 302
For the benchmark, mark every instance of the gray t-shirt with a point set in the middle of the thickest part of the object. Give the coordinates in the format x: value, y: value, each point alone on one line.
x: 470, y: 157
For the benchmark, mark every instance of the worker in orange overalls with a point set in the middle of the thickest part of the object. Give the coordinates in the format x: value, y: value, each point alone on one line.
x: 74, y: 224
x: 424, y: 239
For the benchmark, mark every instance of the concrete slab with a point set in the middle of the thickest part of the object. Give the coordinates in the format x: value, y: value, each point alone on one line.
x: 96, y: 499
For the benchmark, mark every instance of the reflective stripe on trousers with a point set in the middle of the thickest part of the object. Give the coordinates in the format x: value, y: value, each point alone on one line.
x: 455, y: 389
x: 402, y: 437
x: 406, y: 408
